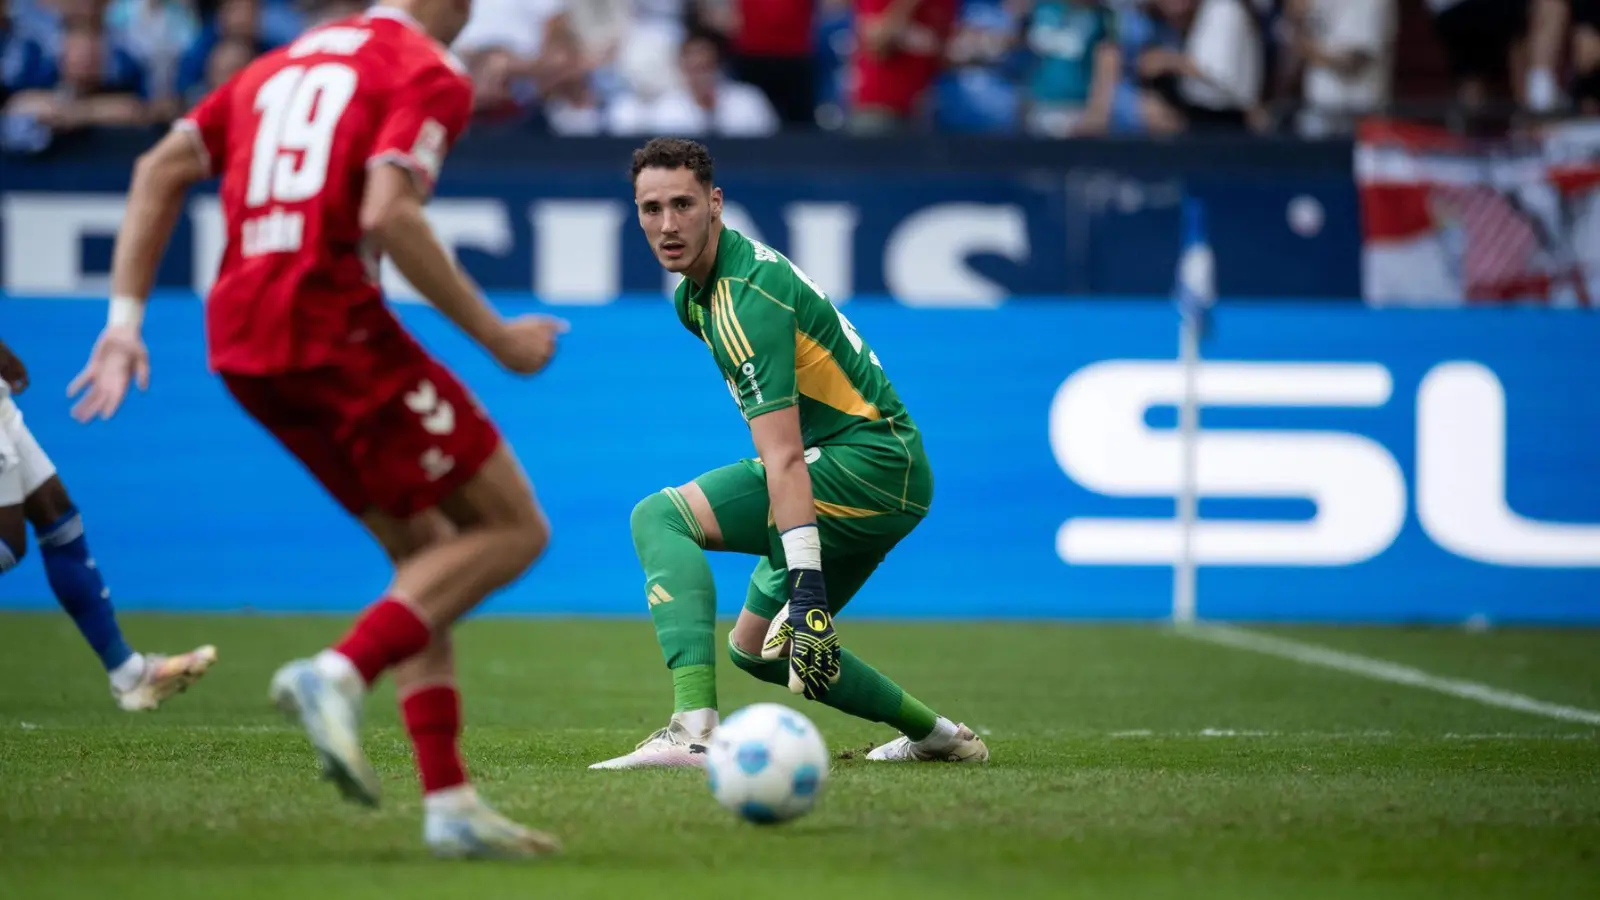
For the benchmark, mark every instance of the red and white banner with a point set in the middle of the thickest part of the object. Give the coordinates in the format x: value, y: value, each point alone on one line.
x: 1450, y: 221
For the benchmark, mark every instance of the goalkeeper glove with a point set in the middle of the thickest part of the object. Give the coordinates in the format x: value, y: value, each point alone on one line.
x: 814, y: 658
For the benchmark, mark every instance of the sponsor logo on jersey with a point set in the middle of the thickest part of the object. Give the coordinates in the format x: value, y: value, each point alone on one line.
x: 749, y: 371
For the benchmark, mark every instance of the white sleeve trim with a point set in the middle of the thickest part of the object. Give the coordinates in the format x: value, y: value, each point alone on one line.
x: 405, y: 161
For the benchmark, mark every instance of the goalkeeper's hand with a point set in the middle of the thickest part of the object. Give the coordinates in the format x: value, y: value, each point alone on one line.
x: 814, y: 657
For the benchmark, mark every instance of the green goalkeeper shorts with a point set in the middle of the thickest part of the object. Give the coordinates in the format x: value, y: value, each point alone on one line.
x: 858, y: 527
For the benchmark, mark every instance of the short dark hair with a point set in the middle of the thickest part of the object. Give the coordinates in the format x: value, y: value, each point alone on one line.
x: 702, y: 35
x: 675, y: 153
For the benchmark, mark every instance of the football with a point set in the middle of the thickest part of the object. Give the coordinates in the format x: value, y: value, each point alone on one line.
x: 767, y: 764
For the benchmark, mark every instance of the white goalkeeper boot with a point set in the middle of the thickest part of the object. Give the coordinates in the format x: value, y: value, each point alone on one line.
x: 949, y: 742
x: 682, y: 744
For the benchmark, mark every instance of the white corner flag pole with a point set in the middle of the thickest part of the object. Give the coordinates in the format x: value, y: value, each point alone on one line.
x: 1195, y: 293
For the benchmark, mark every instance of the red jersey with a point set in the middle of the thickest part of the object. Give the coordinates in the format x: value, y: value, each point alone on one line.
x: 292, y: 137
x: 779, y: 28
x: 898, y: 80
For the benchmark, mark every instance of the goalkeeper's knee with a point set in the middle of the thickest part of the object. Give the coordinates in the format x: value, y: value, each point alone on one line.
x: 772, y: 671
x: 657, y: 515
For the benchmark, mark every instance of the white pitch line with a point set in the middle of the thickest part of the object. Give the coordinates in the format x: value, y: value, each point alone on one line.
x: 1382, y: 670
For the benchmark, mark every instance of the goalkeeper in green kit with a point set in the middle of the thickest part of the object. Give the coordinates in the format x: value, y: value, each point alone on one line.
x: 840, y: 478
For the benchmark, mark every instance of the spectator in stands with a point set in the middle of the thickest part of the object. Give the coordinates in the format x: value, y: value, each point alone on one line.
x: 648, y: 58
x: 1134, y: 103
x: 1479, y: 37
x: 571, y: 104
x: 707, y: 103
x: 1347, y: 50
x: 627, y: 45
x: 516, y: 27
x: 29, y: 34
x: 1551, y: 25
x: 1548, y: 22
x: 1586, y: 56
x: 499, y: 92
x: 316, y: 12
x: 1215, y: 81
x: 1077, y: 63
x: 157, y: 34
x: 226, y: 59
x: 773, y: 47
x: 986, y: 61
x: 20, y: 58
x: 900, y: 49
x: 259, y: 24
x: 92, y: 83
x: 598, y: 29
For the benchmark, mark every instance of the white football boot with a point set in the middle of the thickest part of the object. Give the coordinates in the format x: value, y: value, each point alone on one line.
x: 163, y: 676
x: 329, y: 708
x: 461, y: 826
x: 673, y: 747
x: 949, y: 742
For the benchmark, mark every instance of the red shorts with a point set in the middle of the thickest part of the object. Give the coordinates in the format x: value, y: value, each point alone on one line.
x: 389, y: 429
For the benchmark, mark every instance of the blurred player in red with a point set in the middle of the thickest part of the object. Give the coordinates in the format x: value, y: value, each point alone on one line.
x: 327, y: 150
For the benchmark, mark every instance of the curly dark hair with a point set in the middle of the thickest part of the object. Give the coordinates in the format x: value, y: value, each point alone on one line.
x: 675, y: 153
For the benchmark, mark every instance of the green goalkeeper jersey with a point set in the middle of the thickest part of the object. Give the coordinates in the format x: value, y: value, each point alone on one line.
x: 779, y: 342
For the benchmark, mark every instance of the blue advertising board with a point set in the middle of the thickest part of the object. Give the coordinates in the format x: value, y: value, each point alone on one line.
x: 564, y: 229
x: 1354, y: 464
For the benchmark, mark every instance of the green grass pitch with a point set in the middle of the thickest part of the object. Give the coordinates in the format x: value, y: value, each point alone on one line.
x: 1129, y: 762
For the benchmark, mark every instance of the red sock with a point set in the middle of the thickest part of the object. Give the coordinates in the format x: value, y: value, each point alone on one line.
x: 388, y: 632
x: 433, y: 719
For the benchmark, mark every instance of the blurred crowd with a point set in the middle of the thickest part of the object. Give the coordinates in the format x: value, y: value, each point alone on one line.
x: 1049, y: 68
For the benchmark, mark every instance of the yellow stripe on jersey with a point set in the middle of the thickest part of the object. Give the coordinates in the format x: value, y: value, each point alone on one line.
x: 832, y: 511
x: 840, y: 511
x: 739, y: 337
x: 818, y: 375
x: 719, y: 312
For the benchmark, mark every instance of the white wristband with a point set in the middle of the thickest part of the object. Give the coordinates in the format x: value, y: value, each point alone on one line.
x: 802, y: 547
x: 125, y: 311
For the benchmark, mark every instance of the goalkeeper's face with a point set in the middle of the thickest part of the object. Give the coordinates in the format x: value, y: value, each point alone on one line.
x: 678, y: 214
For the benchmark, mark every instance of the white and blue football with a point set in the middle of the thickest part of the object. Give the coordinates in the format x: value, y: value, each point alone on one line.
x: 767, y: 764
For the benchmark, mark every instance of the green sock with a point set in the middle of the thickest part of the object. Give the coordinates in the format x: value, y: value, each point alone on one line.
x: 866, y: 693
x: 694, y: 687
x: 862, y: 692
x: 681, y: 594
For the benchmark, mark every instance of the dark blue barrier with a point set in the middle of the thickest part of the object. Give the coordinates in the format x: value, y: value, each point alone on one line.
x: 929, y: 222
x: 1443, y: 450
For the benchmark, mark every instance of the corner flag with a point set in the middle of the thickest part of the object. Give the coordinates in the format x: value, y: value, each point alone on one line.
x: 1195, y: 292
x: 1195, y: 289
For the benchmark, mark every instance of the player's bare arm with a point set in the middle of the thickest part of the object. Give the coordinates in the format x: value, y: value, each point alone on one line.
x: 814, y: 655
x: 391, y: 214
x: 777, y: 439
x: 161, y: 177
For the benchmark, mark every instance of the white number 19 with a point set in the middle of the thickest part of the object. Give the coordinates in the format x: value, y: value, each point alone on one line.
x: 300, y: 107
